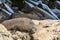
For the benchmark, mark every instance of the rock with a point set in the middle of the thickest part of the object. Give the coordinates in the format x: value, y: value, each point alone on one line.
x: 2, y: 27
x: 47, y: 30
x: 45, y: 34
x: 23, y: 24
x: 31, y: 16
x: 21, y: 36
x: 4, y: 33
x: 46, y: 23
x: 3, y: 37
x: 41, y: 35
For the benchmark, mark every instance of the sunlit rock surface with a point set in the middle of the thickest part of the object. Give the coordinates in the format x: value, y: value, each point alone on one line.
x: 45, y: 30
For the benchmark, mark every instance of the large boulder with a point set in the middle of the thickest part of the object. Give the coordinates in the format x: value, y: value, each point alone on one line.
x: 47, y: 30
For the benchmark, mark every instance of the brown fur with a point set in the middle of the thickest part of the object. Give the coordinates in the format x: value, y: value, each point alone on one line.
x: 25, y: 24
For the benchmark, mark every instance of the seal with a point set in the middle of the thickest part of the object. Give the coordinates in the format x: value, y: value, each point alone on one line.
x: 23, y: 24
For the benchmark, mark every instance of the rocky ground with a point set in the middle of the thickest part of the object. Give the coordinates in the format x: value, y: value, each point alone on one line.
x: 29, y: 20
x: 43, y: 29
